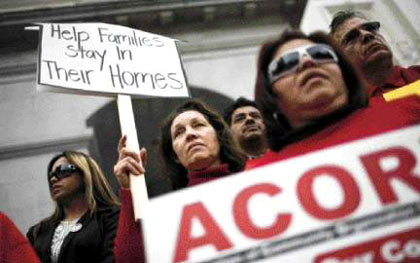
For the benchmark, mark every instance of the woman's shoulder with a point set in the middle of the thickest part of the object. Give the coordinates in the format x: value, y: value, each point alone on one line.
x: 38, y: 228
x: 108, y: 211
x: 105, y: 209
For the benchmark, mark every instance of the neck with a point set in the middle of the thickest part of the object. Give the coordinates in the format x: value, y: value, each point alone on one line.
x: 255, y: 147
x: 203, y: 165
x: 379, y: 74
x: 76, y: 208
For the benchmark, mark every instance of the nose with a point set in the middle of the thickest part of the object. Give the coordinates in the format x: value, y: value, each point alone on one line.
x: 249, y: 120
x: 306, y: 62
x: 191, y: 134
x: 53, y: 179
x: 366, y: 36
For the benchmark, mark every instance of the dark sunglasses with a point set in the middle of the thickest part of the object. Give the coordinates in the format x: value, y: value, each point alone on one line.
x: 63, y: 170
x: 355, y: 33
x: 289, y: 62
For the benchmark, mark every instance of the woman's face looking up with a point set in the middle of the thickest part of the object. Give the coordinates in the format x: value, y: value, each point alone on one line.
x: 314, y: 87
x: 195, y: 141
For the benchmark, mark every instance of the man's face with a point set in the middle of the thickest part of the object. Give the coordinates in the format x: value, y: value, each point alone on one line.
x: 363, y: 43
x: 247, y: 123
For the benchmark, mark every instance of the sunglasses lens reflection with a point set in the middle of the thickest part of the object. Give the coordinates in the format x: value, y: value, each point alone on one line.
x: 63, y: 171
x: 320, y: 53
x: 288, y: 63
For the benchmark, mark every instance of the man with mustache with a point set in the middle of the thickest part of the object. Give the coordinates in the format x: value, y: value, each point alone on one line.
x: 369, y: 50
x: 247, y: 125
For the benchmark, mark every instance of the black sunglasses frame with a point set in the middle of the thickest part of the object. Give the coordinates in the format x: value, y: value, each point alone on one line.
x: 354, y: 34
x: 64, y: 170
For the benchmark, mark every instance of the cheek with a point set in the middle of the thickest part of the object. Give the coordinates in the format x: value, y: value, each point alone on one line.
x: 177, y: 149
x: 285, y: 86
x: 214, y: 143
x: 286, y: 96
x: 354, y: 52
x: 262, y: 125
x: 236, y: 129
x: 336, y: 74
x: 79, y: 180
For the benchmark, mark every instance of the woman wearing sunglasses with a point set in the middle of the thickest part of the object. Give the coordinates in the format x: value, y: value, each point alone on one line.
x: 84, y: 223
x: 196, y: 146
x: 312, y: 98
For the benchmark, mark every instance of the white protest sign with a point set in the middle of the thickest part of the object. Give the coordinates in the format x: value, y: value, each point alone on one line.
x: 103, y: 59
x: 356, y: 202
x: 109, y: 59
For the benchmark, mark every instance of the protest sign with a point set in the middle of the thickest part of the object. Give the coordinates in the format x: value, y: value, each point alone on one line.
x: 109, y: 59
x: 103, y: 59
x: 355, y: 202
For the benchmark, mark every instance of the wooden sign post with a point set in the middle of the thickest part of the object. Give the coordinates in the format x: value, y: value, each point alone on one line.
x: 109, y: 60
x: 128, y: 127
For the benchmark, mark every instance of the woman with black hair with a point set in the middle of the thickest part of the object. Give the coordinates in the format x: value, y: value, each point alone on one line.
x: 84, y: 223
x: 196, y: 146
x: 312, y: 98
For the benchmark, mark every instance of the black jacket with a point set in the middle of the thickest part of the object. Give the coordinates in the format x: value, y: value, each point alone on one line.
x: 92, y: 243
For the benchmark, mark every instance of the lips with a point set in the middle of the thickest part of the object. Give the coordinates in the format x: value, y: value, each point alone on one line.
x: 311, y: 75
x: 55, y: 188
x: 250, y: 128
x: 192, y: 145
x: 373, y: 47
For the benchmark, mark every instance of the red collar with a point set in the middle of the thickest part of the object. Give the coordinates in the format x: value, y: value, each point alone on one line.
x: 217, y: 171
x: 394, y: 81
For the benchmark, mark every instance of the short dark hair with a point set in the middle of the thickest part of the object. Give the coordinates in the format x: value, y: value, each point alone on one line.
x: 230, y: 152
x: 342, y: 16
x: 239, y: 103
x: 276, y: 122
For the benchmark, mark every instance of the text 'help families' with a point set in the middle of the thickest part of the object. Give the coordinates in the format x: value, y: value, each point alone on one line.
x: 118, y: 57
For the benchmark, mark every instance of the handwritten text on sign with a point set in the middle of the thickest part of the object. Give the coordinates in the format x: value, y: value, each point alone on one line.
x: 97, y: 57
x: 314, y: 208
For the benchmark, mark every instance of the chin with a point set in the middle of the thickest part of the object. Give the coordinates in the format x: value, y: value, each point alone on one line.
x: 201, y: 162
x: 380, y: 57
x: 321, y: 96
x: 61, y: 200
x: 253, y: 136
x: 198, y: 162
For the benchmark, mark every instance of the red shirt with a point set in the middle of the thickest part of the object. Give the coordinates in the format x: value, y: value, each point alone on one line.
x: 14, y: 247
x: 400, y: 77
x: 374, y: 120
x: 199, y: 177
x: 129, y: 245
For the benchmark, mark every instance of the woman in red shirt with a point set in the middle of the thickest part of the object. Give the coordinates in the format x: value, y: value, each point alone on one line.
x: 197, y: 147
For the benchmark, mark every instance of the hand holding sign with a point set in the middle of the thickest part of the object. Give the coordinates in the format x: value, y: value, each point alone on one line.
x: 129, y: 162
x: 98, y: 58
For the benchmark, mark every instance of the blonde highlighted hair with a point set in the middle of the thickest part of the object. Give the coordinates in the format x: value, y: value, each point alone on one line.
x: 97, y: 190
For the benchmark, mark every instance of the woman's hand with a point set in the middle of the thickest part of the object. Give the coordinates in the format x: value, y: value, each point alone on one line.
x: 129, y: 163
